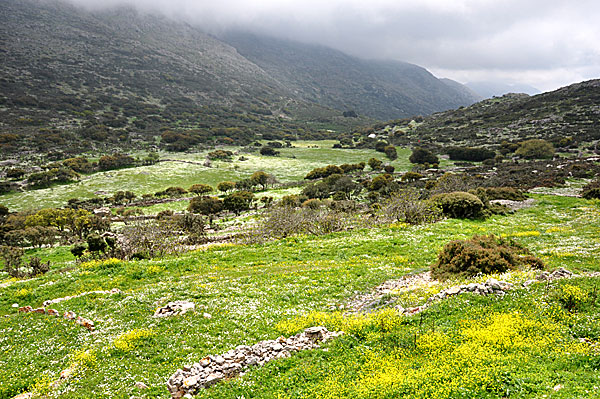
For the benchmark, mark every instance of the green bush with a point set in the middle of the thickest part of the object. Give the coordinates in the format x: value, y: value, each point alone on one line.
x: 423, y: 156
x: 470, y: 154
x: 535, y: 149
x: 459, y: 204
x: 481, y: 255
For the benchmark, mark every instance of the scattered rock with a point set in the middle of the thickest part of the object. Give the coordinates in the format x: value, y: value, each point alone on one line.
x: 85, y: 323
x: 67, y: 315
x: 141, y: 385
x: 207, y: 315
x: 212, y: 369
x: 176, y: 308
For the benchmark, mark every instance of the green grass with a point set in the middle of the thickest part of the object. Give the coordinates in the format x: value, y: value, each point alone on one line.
x: 292, y: 165
x: 251, y: 291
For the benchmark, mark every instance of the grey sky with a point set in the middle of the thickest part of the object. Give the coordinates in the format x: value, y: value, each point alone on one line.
x: 544, y: 43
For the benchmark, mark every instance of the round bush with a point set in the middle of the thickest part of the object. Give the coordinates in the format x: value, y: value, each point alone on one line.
x: 459, y: 205
x: 481, y: 255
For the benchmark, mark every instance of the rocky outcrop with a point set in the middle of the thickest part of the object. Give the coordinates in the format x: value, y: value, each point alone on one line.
x: 208, y: 371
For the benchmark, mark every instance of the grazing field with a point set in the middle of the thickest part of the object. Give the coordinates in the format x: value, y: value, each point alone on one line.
x: 291, y: 165
x: 523, y: 345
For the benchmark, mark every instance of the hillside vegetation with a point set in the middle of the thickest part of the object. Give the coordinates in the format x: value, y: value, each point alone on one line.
x: 568, y: 117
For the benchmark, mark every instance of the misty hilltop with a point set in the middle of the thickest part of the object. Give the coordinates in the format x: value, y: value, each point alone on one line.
x: 61, y: 63
x: 379, y: 89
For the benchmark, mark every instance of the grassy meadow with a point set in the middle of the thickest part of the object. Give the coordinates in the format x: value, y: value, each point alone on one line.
x: 291, y: 165
x: 525, y: 345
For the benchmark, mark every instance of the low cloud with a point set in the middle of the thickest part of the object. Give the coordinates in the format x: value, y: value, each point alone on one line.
x: 543, y: 43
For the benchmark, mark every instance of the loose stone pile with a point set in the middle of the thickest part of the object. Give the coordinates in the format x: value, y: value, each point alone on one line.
x: 212, y: 369
x: 490, y: 287
x: 176, y: 308
x: 67, y: 315
x: 114, y: 291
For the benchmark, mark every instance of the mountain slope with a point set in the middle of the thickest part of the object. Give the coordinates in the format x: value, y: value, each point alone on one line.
x: 54, y: 52
x: 380, y: 89
x: 123, y: 76
x: 571, y: 111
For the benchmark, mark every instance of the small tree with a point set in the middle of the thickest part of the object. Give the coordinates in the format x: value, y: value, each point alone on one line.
x: 225, y: 186
x: 268, y: 151
x: 200, y: 189
x: 260, y: 178
x: 238, y: 201
x: 208, y: 206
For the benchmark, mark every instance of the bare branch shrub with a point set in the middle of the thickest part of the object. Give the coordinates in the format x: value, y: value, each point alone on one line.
x: 13, y: 263
x: 147, y: 239
x: 285, y: 221
x: 408, y: 207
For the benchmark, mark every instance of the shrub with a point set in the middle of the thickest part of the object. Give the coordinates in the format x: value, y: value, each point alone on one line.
x: 147, y: 239
x: 591, y: 190
x: 459, y: 205
x: 13, y: 263
x: 285, y: 221
x: 407, y: 206
x: 268, y: 151
x: 219, y: 155
x: 326, y: 171
x: 390, y: 152
x: 293, y: 200
x: 422, y: 156
x: 571, y: 297
x: 470, y: 154
x: 411, y: 176
x: 78, y: 250
x: 375, y: 164
x: 535, y: 149
x: 479, y: 255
